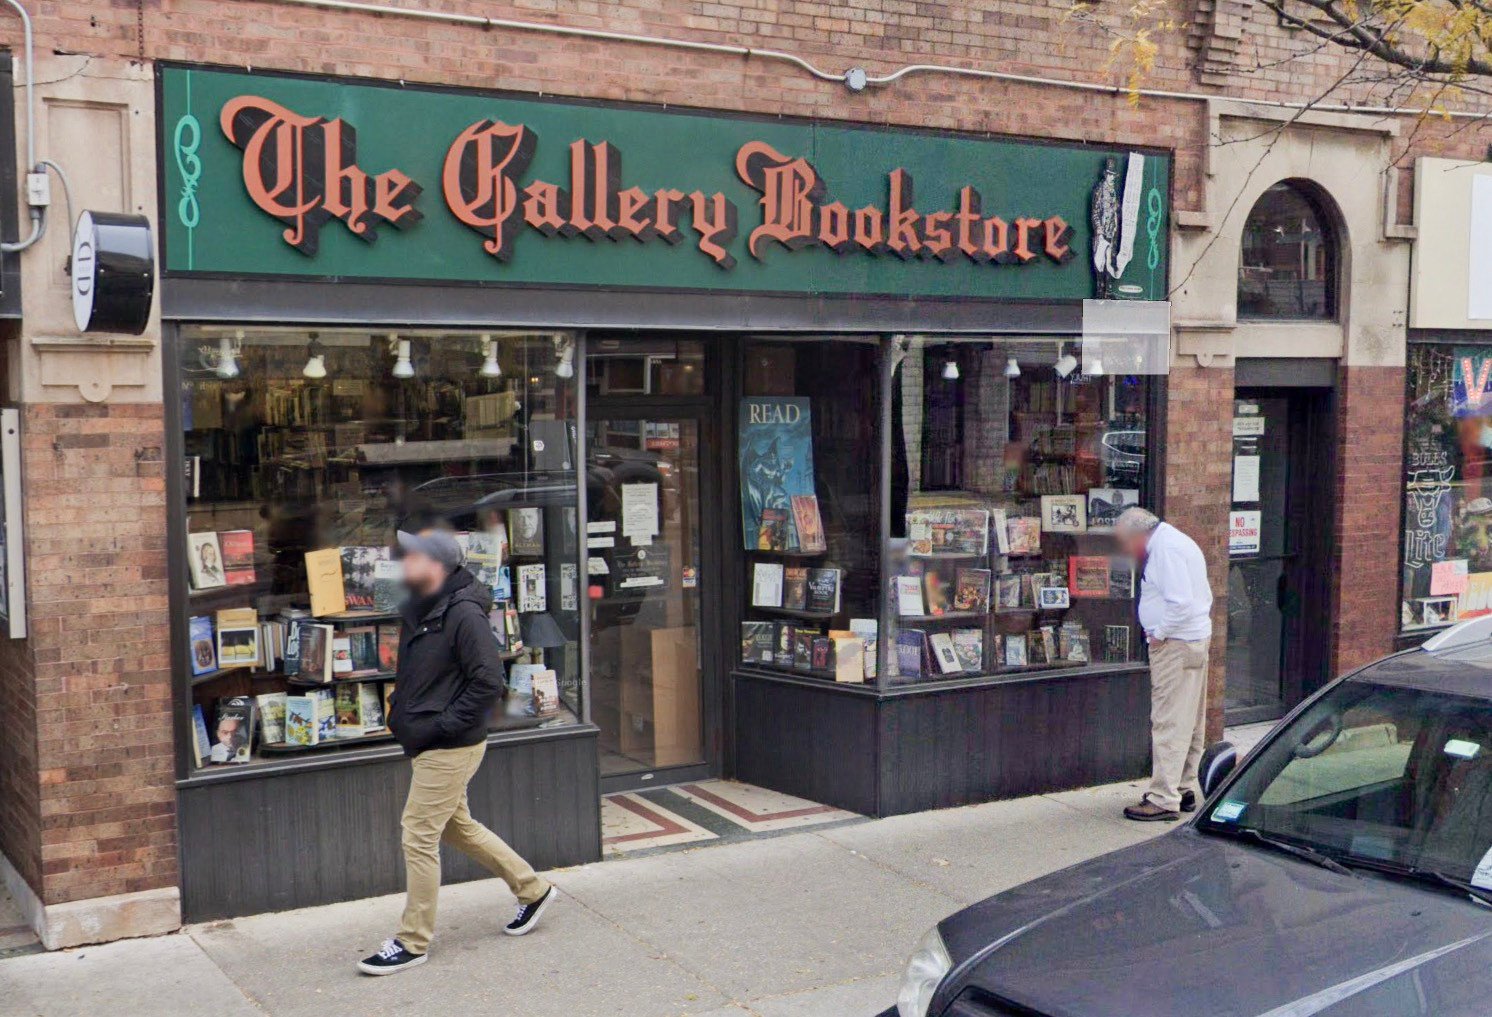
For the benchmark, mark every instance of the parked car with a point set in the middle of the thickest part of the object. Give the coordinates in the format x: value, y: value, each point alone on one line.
x: 1345, y: 868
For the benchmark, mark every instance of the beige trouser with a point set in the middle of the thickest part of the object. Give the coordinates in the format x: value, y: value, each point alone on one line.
x: 436, y: 811
x: 1178, y: 717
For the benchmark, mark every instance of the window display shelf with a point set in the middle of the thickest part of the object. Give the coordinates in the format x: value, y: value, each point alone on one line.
x: 920, y: 619
x: 792, y: 612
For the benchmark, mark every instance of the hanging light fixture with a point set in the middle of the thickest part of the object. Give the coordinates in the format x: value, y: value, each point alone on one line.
x: 229, y: 348
x: 315, y: 368
x: 1093, y: 367
x: 1012, y: 368
x: 564, y: 349
x: 490, y: 367
x: 400, y: 348
x: 950, y: 370
x: 1066, y: 363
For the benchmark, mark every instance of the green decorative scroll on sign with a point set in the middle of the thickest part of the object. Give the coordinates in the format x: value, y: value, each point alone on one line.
x: 283, y: 176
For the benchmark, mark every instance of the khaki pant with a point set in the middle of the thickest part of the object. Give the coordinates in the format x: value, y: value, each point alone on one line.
x: 1178, y: 717
x: 436, y: 811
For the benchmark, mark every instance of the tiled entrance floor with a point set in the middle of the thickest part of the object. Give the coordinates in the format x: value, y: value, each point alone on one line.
x: 711, y: 811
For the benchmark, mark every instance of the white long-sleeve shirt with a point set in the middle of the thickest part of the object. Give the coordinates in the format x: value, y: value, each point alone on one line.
x: 1175, y: 598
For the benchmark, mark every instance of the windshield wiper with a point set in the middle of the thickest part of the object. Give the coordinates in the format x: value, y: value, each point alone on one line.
x: 1419, y: 875
x: 1300, y: 851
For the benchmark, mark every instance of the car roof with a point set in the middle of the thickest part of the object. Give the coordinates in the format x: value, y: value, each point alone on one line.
x: 1463, y: 671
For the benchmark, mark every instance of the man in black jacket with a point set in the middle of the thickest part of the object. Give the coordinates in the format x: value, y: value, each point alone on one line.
x: 450, y: 676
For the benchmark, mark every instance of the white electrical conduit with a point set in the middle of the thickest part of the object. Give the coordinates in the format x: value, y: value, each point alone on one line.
x: 481, y: 21
x: 38, y: 212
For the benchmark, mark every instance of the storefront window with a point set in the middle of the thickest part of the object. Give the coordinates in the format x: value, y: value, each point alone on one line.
x: 808, y: 454
x: 1447, y: 551
x: 304, y: 452
x: 1009, y: 466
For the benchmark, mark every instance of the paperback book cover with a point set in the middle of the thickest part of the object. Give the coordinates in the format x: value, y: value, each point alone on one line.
x: 1073, y: 643
x: 937, y: 596
x: 911, y: 651
x: 808, y: 526
x: 388, y: 585
x: 803, y: 648
x: 484, y: 557
x: 772, y: 532
x: 533, y: 596
x: 849, y: 657
x: 315, y: 652
x: 363, y: 646
x: 1015, y: 650
x: 271, y: 710
x: 326, y: 713
x: 948, y: 531
x: 233, y: 731
x: 868, y: 629
x: 201, y: 744
x: 205, y: 559
x: 823, y: 591
x: 324, y: 581
x: 238, y: 556
x: 795, y: 587
x: 909, y: 597
x: 944, y: 655
x: 546, y: 693
x: 758, y: 640
x: 526, y: 532
x: 971, y: 590
x: 1008, y: 591
x: 370, y: 707
x: 238, y: 637
x: 968, y: 646
x: 1088, y: 575
x: 300, y: 720
x: 786, y: 638
x: 1024, y: 535
x: 775, y: 438
x: 204, y: 648
x: 341, y: 655
x: 1121, y: 577
x: 292, y: 646
x: 359, y: 572
x: 1116, y: 644
x: 766, y: 584
x: 388, y: 648
x: 823, y: 651
x: 349, y: 710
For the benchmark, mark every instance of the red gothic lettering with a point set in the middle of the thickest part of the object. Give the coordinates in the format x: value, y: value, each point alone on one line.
x: 870, y: 233
x: 939, y: 242
x: 902, y: 238
x: 715, y: 222
x: 629, y: 203
x: 481, y: 168
x: 544, y: 207
x: 791, y: 191
x: 834, y: 227
x: 1055, y: 235
x: 1023, y: 230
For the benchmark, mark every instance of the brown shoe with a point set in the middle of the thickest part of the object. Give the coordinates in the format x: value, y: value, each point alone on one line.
x: 1148, y: 812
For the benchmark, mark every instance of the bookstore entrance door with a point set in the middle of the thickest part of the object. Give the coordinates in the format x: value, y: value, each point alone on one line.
x: 650, y: 573
x: 1279, y: 550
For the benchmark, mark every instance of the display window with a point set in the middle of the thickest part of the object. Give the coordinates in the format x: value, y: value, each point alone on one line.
x: 1447, y: 547
x: 994, y: 481
x: 305, y: 452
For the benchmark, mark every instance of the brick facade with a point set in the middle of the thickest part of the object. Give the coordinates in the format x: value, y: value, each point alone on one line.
x: 86, y: 766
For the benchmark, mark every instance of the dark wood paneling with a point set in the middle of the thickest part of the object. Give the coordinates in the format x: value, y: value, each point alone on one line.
x: 317, y: 836
x: 816, y: 743
x: 981, y: 743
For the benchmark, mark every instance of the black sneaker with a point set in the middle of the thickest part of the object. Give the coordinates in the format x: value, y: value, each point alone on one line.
x: 1188, y: 800
x: 528, y: 915
x: 390, y: 959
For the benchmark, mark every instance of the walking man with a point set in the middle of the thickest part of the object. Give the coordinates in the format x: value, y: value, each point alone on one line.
x: 1175, y: 613
x: 450, y: 676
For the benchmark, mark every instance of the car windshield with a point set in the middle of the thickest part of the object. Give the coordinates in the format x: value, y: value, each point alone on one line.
x: 1390, y: 777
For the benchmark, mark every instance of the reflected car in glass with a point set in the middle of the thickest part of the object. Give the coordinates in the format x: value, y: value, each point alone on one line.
x: 1343, y: 870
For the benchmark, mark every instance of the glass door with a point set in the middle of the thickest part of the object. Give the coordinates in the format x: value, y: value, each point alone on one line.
x: 644, y: 556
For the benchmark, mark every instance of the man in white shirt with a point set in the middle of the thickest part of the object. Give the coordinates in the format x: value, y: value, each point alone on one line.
x: 1175, y: 612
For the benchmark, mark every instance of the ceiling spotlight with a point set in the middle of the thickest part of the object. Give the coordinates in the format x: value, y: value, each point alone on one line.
x: 315, y: 368
x: 400, y: 348
x: 1012, y: 369
x: 229, y: 348
x: 1066, y: 364
x: 490, y: 367
x: 950, y: 370
x: 564, y: 349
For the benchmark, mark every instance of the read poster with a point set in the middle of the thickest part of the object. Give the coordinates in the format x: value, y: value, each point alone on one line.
x: 776, y: 442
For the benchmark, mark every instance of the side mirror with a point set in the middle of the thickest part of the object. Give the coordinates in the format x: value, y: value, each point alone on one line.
x: 1217, y: 762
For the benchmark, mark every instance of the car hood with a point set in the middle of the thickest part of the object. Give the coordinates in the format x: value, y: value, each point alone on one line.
x: 1193, y: 925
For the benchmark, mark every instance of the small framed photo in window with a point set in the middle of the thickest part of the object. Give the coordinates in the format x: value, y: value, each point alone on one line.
x: 1064, y: 513
x: 1053, y: 598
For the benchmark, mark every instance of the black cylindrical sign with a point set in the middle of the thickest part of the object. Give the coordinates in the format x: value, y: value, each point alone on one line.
x: 113, y: 271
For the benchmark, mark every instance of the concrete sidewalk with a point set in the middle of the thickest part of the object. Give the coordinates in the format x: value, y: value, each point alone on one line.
x: 811, y: 924
x: 816, y: 923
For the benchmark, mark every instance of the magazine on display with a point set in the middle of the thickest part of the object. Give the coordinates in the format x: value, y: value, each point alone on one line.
x: 775, y: 438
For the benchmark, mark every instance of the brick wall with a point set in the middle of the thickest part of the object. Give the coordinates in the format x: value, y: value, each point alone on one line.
x: 20, y: 793
x: 99, y: 635
x: 1370, y: 455
x: 1198, y: 471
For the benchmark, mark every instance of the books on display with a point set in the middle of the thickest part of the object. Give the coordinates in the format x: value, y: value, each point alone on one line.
x: 823, y: 590
x: 526, y: 531
x: 971, y: 590
x: 363, y: 649
x: 341, y: 655
x: 204, y: 647
x: 233, y: 731
x: 201, y: 745
x: 1064, y: 513
x: 324, y: 581
x: 795, y: 587
x: 270, y: 708
x: 359, y: 574
x: 1088, y: 575
x: 533, y: 595
x: 868, y: 631
x: 943, y: 652
x: 911, y: 652
x: 388, y: 585
x: 238, y: 556
x: 909, y: 597
x: 238, y: 637
x: 758, y: 640
x: 968, y: 646
x: 300, y: 720
x: 772, y: 531
x: 807, y: 524
x: 1024, y: 534
x: 766, y: 584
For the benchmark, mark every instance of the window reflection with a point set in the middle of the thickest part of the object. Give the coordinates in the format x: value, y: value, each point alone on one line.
x: 1288, y: 265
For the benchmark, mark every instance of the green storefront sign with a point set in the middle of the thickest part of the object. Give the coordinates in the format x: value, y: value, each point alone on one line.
x: 287, y: 176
